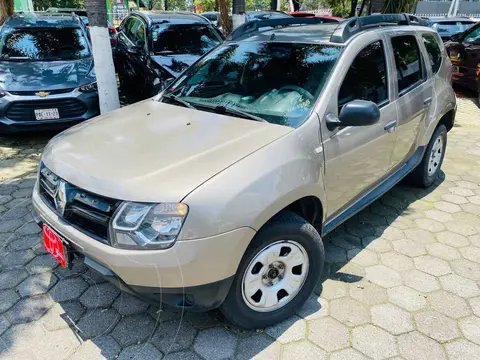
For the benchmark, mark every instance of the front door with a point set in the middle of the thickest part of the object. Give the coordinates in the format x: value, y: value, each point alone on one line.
x: 414, y: 94
x: 357, y: 158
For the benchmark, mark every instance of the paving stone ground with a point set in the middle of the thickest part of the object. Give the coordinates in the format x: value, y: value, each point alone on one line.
x: 402, y: 281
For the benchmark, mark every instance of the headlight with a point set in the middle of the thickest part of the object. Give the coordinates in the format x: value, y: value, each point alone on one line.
x: 89, y: 87
x: 2, y: 93
x: 147, y: 226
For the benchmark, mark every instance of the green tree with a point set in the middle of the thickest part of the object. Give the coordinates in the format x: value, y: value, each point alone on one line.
x: 398, y: 6
x: 45, y: 4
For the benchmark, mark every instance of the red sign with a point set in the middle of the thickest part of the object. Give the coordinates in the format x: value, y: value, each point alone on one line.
x: 54, y: 245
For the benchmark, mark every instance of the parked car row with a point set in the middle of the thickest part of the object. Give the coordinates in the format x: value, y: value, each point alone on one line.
x: 49, y: 74
x: 219, y: 191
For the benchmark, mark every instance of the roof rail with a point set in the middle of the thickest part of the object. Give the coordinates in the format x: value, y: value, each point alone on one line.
x: 254, y: 26
x: 354, y: 25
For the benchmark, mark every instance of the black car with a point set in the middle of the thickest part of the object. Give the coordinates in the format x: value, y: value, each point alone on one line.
x: 47, y: 77
x: 155, y: 47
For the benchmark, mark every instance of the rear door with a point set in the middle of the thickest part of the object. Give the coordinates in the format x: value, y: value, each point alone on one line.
x: 413, y: 92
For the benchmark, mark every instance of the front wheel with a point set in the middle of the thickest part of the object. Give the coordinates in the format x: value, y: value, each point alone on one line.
x: 278, y: 272
x: 427, y: 171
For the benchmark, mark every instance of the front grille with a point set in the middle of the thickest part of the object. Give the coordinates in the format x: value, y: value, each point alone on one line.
x: 87, y: 212
x: 25, y: 110
x: 32, y: 93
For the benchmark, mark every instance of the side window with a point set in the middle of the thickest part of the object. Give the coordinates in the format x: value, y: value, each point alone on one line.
x: 434, y: 52
x: 131, y: 28
x: 126, y: 28
x: 473, y: 36
x: 139, y: 34
x: 408, y: 61
x: 367, y: 77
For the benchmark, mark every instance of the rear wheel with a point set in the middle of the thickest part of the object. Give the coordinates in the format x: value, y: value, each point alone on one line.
x: 427, y: 171
x: 278, y: 273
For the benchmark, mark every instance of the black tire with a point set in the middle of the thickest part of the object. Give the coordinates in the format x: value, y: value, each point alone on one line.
x: 284, y: 226
x: 420, y: 177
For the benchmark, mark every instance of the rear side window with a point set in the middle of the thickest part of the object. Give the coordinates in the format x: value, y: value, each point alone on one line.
x: 434, y: 52
x: 366, y: 79
x: 408, y: 62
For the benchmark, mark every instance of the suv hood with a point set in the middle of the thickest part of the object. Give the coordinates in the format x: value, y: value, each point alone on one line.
x: 154, y: 152
x: 177, y: 63
x: 45, y: 75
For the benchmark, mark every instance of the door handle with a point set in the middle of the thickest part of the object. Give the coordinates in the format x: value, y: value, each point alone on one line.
x: 427, y: 101
x: 391, y: 126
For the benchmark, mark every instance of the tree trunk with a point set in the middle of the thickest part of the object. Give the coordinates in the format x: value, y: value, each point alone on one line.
x: 273, y: 5
x: 238, y: 13
x: 361, y: 7
x: 102, y: 55
x: 225, y: 19
x: 6, y: 10
x: 296, y: 5
x: 353, y: 9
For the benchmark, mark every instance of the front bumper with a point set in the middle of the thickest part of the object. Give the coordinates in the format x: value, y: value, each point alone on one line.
x: 192, y: 273
x: 7, y: 125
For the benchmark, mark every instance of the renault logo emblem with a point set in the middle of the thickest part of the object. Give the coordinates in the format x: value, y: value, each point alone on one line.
x: 42, y: 93
x: 60, y: 197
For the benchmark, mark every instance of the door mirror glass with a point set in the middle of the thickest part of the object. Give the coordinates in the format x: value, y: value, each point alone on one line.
x: 359, y: 113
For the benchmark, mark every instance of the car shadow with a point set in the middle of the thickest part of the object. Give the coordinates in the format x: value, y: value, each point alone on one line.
x: 89, y: 316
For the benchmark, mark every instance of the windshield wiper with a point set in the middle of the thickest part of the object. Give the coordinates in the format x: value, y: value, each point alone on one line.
x: 178, y: 100
x: 227, y: 110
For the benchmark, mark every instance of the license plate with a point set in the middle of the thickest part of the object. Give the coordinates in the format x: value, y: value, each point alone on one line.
x: 455, y: 69
x: 54, y: 245
x: 47, y: 114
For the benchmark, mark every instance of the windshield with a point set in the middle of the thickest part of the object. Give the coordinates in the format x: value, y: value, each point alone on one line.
x: 278, y: 82
x: 183, y: 38
x: 453, y: 27
x: 43, y: 44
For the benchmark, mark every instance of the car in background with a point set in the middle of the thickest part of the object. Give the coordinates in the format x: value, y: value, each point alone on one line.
x: 76, y: 11
x: 264, y: 15
x: 446, y: 27
x: 464, y: 52
x: 157, y: 46
x: 306, y: 14
x: 212, y: 16
x: 47, y: 75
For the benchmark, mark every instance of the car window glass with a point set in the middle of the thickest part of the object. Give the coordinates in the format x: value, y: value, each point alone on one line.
x: 45, y: 44
x: 474, y: 36
x: 139, y: 34
x: 407, y: 60
x: 276, y: 81
x: 194, y: 39
x: 366, y: 79
x: 434, y: 52
x: 130, y: 29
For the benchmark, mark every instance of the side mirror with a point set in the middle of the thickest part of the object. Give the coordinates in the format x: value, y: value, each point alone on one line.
x: 356, y: 113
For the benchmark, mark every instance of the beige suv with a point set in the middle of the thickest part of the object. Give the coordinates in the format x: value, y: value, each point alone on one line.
x: 217, y: 192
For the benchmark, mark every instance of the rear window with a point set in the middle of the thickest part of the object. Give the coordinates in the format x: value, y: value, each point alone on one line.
x: 183, y: 39
x: 43, y: 44
x: 407, y: 61
x: 434, y: 52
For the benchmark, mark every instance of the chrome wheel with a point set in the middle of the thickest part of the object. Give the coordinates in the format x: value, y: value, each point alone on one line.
x: 275, y: 276
x: 435, y: 156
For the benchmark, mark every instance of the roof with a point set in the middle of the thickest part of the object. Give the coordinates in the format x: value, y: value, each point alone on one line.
x: 315, y: 34
x: 176, y: 17
x: 20, y: 20
x: 266, y: 12
x: 315, y: 30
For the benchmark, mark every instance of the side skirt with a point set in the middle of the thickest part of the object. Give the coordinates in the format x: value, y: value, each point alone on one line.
x: 376, y: 192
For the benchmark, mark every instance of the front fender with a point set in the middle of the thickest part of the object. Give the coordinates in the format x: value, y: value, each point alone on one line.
x: 253, y: 190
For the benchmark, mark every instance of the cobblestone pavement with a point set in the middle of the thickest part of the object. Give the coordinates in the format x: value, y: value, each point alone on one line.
x: 401, y: 282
